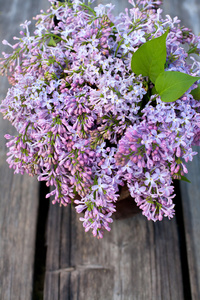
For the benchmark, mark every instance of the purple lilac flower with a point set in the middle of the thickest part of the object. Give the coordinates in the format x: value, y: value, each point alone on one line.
x: 83, y: 125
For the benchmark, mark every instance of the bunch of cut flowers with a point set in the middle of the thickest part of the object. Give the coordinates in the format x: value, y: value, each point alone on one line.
x: 101, y: 101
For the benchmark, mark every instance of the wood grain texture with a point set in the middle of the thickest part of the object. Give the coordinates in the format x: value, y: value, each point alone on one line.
x: 136, y: 260
x: 190, y: 194
x: 18, y: 212
x: 19, y: 194
x: 189, y: 11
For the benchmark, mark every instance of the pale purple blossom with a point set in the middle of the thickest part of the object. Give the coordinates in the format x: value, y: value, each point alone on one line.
x: 82, y: 123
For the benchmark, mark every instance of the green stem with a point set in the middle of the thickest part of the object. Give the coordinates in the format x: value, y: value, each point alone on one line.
x: 192, y: 50
x: 89, y: 8
x: 54, y: 35
x: 123, y: 40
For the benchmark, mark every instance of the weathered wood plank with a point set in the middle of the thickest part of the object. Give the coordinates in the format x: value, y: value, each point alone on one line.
x: 136, y: 260
x: 18, y: 212
x: 190, y: 193
x: 189, y: 11
x: 19, y: 194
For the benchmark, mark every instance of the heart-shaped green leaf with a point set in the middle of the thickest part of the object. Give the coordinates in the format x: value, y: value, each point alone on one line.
x: 196, y: 93
x: 150, y: 58
x: 171, y: 85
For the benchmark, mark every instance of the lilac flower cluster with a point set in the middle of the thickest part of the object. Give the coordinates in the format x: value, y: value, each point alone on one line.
x: 86, y: 123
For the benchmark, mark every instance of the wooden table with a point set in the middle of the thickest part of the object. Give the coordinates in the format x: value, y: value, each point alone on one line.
x: 45, y: 253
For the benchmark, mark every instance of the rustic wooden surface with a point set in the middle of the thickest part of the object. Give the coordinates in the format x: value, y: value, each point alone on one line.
x: 137, y: 260
x: 190, y: 193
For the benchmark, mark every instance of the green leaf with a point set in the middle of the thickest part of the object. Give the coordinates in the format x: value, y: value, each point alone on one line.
x: 150, y: 58
x: 153, y: 91
x: 171, y: 85
x: 185, y: 179
x: 52, y: 42
x: 196, y: 93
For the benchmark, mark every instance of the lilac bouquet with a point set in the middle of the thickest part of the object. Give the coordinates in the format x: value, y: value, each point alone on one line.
x: 101, y: 101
